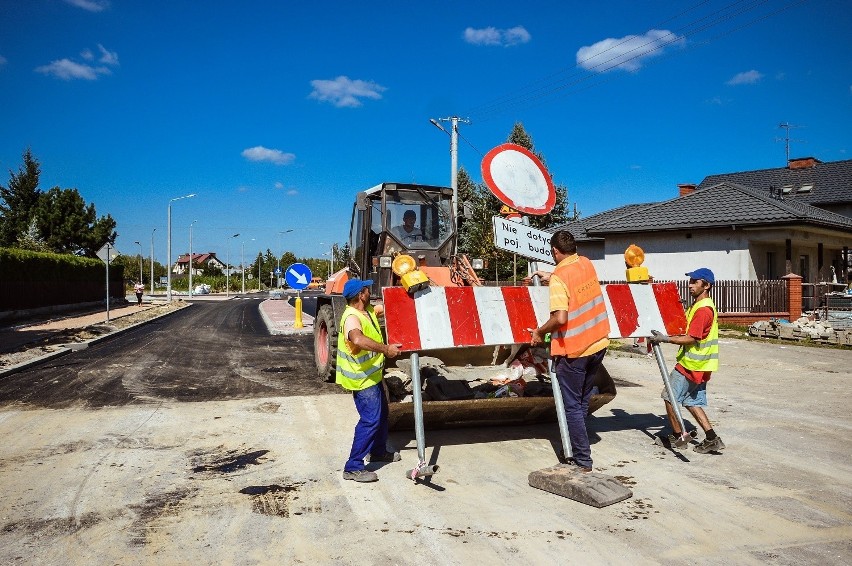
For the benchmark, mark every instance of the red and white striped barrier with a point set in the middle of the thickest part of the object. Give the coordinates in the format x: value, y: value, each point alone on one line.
x: 457, y: 317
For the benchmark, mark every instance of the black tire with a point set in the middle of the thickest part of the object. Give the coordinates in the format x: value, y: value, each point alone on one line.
x: 325, y: 343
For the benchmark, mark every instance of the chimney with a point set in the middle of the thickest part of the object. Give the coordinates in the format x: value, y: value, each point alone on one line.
x: 686, y: 188
x: 802, y: 162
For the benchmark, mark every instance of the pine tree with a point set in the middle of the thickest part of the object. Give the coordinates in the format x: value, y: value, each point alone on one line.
x: 19, y: 200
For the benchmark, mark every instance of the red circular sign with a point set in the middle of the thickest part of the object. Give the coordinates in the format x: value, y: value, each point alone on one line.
x: 519, y: 179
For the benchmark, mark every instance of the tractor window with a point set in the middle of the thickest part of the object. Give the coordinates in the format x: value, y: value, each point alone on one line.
x: 417, y: 219
x: 356, y: 236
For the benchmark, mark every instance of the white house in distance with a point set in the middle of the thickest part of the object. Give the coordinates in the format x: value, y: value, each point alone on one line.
x: 199, y: 263
x: 762, y: 230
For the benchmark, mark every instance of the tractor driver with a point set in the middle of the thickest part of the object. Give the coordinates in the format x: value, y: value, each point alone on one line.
x: 408, y: 233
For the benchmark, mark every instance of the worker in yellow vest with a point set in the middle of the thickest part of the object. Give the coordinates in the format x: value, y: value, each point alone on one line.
x: 579, y: 329
x: 361, y: 353
x: 697, y: 358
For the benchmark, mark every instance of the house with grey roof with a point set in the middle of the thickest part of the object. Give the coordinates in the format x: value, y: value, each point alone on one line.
x: 805, y: 179
x: 740, y: 232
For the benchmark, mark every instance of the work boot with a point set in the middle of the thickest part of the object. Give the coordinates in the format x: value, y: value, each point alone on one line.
x: 386, y: 457
x: 361, y: 476
x: 715, y: 445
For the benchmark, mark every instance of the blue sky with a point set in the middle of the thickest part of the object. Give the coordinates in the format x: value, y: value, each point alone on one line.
x: 276, y: 113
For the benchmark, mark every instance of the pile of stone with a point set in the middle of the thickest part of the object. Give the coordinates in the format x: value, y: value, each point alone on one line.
x: 804, y: 328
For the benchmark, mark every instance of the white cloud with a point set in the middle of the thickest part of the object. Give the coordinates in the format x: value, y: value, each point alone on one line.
x: 66, y: 69
x: 276, y: 156
x: 107, y: 57
x: 627, y: 53
x: 746, y: 78
x: 279, y: 185
x: 90, y: 5
x: 3, y: 60
x: 344, y: 92
x: 494, y: 36
x: 292, y: 192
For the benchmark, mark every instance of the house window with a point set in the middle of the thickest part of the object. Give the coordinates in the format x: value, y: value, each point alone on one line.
x: 771, y: 272
x: 804, y: 263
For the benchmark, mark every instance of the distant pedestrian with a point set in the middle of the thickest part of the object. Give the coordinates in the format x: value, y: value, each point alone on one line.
x: 139, y: 288
x: 361, y: 355
x: 579, y: 329
x: 697, y: 358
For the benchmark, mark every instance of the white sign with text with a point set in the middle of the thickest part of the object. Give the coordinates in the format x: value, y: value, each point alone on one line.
x: 522, y: 240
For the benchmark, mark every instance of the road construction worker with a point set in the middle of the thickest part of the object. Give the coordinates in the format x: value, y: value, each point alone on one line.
x: 361, y: 353
x: 697, y: 358
x: 579, y: 328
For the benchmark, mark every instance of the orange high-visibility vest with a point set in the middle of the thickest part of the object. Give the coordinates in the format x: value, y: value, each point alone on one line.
x: 587, y: 318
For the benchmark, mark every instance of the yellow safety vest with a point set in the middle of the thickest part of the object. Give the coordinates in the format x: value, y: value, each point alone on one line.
x: 364, y: 369
x: 703, y: 355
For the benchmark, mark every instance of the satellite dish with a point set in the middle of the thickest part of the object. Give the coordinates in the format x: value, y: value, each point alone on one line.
x: 519, y: 179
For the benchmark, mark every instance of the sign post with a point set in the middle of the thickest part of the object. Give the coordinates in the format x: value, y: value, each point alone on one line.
x: 297, y: 277
x: 107, y: 253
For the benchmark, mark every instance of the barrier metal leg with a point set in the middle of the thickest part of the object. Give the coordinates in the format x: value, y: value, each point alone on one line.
x: 658, y: 353
x: 423, y: 469
x: 560, y: 412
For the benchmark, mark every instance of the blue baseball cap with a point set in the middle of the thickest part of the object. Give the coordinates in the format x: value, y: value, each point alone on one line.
x: 702, y: 273
x: 354, y: 286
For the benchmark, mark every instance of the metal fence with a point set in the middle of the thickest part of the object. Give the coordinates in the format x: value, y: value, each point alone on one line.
x: 739, y: 296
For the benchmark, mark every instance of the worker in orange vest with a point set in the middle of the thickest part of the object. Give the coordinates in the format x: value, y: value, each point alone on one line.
x: 579, y: 329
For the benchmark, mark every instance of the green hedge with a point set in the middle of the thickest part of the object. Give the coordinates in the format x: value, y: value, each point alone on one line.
x: 36, y: 279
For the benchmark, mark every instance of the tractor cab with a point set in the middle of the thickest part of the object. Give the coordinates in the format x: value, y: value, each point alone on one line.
x: 392, y: 219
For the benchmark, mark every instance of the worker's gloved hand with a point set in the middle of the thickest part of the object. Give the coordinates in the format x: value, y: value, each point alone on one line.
x: 658, y: 337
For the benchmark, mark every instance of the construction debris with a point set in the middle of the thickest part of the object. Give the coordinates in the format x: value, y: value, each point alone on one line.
x: 597, y: 490
x: 804, y: 328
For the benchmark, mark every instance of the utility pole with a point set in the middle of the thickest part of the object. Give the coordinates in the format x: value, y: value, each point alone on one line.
x: 454, y: 164
x: 786, y: 139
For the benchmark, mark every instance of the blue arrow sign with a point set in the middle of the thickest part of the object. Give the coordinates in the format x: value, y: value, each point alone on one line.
x: 298, y: 276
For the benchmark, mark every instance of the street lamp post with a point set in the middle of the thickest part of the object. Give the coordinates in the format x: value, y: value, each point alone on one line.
x: 189, y: 262
x: 140, y: 261
x: 279, y: 249
x: 243, y: 263
x: 169, y: 250
x: 152, y: 260
x: 228, y: 268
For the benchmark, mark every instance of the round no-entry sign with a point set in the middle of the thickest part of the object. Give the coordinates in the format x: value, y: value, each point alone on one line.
x: 519, y: 179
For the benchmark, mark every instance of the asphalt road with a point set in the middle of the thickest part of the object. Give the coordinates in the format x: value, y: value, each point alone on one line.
x: 212, y: 351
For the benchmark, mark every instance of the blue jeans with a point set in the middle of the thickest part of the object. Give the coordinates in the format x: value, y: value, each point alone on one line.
x: 371, y: 432
x: 576, y: 376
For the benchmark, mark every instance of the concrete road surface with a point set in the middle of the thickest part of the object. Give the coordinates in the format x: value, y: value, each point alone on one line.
x: 258, y: 480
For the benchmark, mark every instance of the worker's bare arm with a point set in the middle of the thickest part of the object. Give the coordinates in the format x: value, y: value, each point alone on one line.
x: 557, y: 319
x: 365, y: 343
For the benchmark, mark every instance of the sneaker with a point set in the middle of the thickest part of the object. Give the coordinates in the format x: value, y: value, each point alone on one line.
x: 386, y: 457
x: 362, y: 476
x: 674, y: 441
x: 715, y: 445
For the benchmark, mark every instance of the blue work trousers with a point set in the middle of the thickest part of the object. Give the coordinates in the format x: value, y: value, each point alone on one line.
x: 371, y: 432
x: 576, y: 376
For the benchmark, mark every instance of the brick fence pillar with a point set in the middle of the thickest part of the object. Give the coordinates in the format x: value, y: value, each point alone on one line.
x: 794, y: 295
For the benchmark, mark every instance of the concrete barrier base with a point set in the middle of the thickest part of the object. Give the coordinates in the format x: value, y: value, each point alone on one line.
x: 597, y: 490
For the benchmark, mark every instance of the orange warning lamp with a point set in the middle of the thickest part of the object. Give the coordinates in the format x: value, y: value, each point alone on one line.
x: 412, y: 279
x: 633, y: 257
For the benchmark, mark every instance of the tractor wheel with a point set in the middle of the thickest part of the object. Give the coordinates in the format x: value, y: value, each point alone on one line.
x: 325, y: 343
